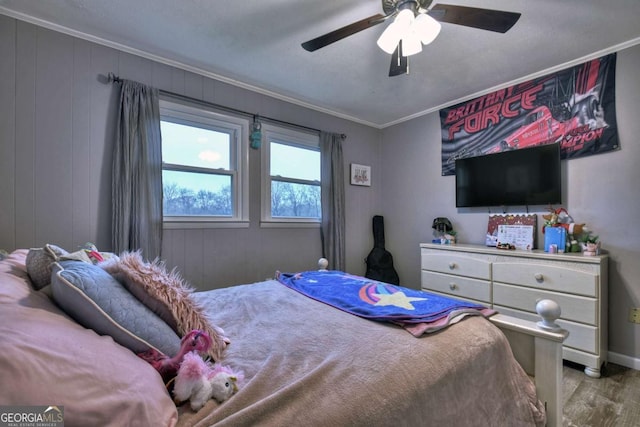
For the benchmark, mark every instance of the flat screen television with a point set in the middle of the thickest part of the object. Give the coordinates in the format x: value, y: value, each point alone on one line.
x: 528, y: 176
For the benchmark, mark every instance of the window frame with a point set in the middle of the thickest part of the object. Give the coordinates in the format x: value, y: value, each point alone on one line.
x: 238, y: 129
x: 294, y: 138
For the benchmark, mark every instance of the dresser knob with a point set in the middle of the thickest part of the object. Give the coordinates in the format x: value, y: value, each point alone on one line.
x: 453, y: 286
x: 539, y: 277
x: 452, y: 265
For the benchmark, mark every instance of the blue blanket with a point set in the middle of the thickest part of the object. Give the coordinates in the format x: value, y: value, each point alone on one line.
x: 372, y: 299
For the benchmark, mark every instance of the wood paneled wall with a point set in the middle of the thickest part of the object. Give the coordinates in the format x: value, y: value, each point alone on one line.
x: 57, y: 125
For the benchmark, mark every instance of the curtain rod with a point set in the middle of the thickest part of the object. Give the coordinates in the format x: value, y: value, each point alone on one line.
x: 112, y: 78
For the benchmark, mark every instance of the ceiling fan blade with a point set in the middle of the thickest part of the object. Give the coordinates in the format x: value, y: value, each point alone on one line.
x: 343, y: 32
x: 484, y: 19
x: 399, y: 63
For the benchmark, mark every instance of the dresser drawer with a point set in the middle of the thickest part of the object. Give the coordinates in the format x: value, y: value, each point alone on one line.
x: 458, y: 264
x: 461, y: 287
x: 563, y: 278
x: 581, y: 337
x: 574, y: 307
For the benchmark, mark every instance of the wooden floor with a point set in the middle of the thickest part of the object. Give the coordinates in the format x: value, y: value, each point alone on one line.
x: 612, y: 400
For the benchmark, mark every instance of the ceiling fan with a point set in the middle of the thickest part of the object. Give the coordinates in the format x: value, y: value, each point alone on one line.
x: 416, y: 24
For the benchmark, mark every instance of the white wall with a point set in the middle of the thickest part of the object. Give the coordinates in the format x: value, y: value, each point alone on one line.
x: 601, y: 190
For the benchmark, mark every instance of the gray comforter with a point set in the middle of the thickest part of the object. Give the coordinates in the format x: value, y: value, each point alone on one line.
x: 306, y: 363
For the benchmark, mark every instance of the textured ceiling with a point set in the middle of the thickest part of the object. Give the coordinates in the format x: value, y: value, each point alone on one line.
x: 256, y: 44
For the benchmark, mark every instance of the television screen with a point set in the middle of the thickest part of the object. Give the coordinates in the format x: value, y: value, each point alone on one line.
x: 528, y: 176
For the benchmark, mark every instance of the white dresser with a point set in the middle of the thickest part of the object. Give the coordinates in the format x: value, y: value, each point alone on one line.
x: 512, y: 281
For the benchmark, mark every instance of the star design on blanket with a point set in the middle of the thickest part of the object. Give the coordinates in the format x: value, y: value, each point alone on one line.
x: 398, y: 299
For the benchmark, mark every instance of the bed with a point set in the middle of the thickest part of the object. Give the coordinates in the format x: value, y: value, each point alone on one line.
x: 303, y: 362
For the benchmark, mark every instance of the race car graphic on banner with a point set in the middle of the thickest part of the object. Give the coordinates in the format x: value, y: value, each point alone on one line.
x: 574, y: 107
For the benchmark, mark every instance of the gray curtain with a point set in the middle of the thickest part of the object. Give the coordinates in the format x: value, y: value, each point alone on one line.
x: 332, y: 232
x: 137, y: 172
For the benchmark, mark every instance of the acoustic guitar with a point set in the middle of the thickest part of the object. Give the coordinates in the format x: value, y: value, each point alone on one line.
x: 380, y: 261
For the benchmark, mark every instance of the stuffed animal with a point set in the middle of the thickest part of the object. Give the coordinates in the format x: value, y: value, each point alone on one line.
x: 561, y: 218
x: 92, y: 252
x: 199, y: 381
x: 195, y: 340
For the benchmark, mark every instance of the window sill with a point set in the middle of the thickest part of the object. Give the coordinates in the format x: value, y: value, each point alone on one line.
x: 185, y: 225
x: 289, y: 224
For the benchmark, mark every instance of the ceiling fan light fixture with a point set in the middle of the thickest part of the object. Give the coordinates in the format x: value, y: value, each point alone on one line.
x: 398, y: 29
x: 388, y: 40
x: 426, y: 27
x: 411, y: 44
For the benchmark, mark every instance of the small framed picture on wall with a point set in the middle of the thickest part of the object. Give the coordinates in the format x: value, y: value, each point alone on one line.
x: 360, y: 175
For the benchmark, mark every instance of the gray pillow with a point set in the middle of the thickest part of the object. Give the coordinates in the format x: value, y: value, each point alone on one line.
x: 98, y: 301
x: 39, y: 262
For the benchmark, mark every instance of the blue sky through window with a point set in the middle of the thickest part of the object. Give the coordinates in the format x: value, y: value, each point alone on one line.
x: 294, y: 162
x: 198, y: 147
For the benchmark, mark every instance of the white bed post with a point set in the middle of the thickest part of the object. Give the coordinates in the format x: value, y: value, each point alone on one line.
x: 549, y: 386
x: 549, y: 359
x: 538, y: 348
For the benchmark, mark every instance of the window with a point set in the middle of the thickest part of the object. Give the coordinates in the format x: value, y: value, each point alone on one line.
x: 204, y: 178
x: 291, y: 176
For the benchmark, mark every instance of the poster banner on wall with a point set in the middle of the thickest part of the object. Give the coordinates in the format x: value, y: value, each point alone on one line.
x: 574, y: 107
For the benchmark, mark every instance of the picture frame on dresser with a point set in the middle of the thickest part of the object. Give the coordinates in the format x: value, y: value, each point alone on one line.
x: 498, y: 221
x: 512, y: 282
